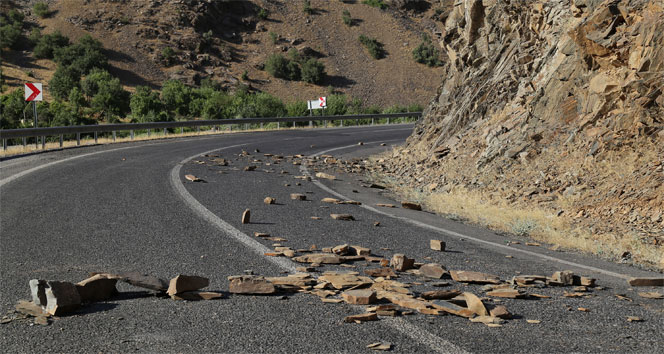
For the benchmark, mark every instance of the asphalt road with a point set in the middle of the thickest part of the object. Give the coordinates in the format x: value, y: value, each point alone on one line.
x: 128, y: 207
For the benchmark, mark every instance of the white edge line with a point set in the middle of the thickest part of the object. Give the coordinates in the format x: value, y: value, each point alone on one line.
x: 444, y: 231
x: 422, y: 336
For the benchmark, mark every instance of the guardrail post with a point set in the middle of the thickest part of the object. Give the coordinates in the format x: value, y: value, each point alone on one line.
x: 311, y: 124
x: 165, y: 132
x: 114, y: 136
x: 388, y: 120
x: 149, y: 132
x: 78, y: 139
x: 181, y: 130
x: 342, y: 122
x: 25, y: 142
x: 246, y: 126
x: 198, y: 130
x: 131, y: 134
x: 95, y: 137
x: 261, y: 125
x: 278, y: 125
x: 43, y: 142
x: 61, y: 140
x: 4, y: 144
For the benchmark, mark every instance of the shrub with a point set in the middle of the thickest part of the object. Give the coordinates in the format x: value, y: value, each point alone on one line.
x: 41, y: 9
x: 293, y: 70
x: 346, y: 18
x: 82, y: 56
x: 297, y: 109
x: 47, y: 45
x: 168, y: 55
x: 277, y: 66
x: 263, y: 14
x: 94, y: 80
x: 176, y: 97
x: 307, y: 7
x: 63, y: 81
x: 11, y: 106
x: 375, y: 3
x: 273, y: 37
x: 16, y: 17
x: 9, y: 36
x: 427, y: 53
x: 313, y: 71
x: 374, y: 47
x: 143, y: 101
x: 245, y: 75
x: 111, y: 99
x: 35, y: 36
x: 216, y: 106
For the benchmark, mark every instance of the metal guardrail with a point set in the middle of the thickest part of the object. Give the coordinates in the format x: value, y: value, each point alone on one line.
x: 24, y: 133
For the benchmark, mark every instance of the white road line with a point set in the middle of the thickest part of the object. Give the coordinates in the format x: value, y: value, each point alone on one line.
x: 437, y: 344
x: 444, y: 231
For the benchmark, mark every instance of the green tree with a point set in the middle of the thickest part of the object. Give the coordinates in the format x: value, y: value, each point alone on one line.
x: 297, y: 109
x: 35, y: 36
x: 145, y: 103
x: 82, y: 56
x: 216, y: 106
x: 111, y: 99
x: 313, y: 71
x: 168, y: 55
x: 277, y: 66
x: 94, y: 80
x: 41, y: 9
x: 76, y: 98
x: 176, y: 97
x: 47, y: 45
x: 63, y: 81
x: 11, y: 109
x: 427, y: 53
x: 10, y: 36
x: 376, y: 3
x: 374, y: 47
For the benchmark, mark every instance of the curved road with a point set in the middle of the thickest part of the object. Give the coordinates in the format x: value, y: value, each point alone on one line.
x: 128, y: 207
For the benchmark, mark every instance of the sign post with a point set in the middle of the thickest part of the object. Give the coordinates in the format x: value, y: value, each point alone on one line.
x: 320, y: 103
x: 33, y: 93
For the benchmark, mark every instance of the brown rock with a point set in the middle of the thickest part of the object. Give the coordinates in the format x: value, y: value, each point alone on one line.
x: 500, y: 311
x: 487, y: 320
x: 99, y: 287
x: 475, y: 305
x: 193, y: 178
x: 585, y: 281
x: 297, y: 196
x: 359, y: 297
x: 345, y: 217
x: 654, y: 281
x: 183, y: 283
x: 437, y: 245
x: 250, y: 168
x: 380, y: 346
x: 145, y: 281
x: 386, y: 205
x: 507, y: 293
x: 651, y: 295
x: 433, y: 270
x: 411, y: 206
x: 341, y: 249
x: 61, y: 297
x: 361, y: 251
x: 31, y: 309
x: 401, y: 263
x: 440, y: 294
x: 320, y: 258
x: 565, y: 277
x: 325, y: 175
x: 453, y: 309
x: 345, y: 280
x: 474, y: 277
x: 380, y: 272
x: 250, y: 284
x: 361, y: 318
x: 197, y: 295
x: 330, y: 200
x: 269, y: 200
x: 246, y: 216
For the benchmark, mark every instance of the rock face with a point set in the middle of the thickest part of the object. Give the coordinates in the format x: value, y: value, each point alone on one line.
x: 533, y: 87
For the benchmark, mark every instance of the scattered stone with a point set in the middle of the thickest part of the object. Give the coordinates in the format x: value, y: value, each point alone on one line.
x: 320, y: 258
x: 345, y: 217
x: 437, y: 245
x: 250, y: 168
x: 507, y: 293
x: 380, y: 346
x: 533, y: 244
x: 145, y: 281
x: 345, y: 280
x: 37, y: 289
x: 261, y: 234
x: 305, y: 269
x: 474, y: 277
x: 386, y: 205
x: 376, y: 186
x: 376, y: 223
x: 361, y: 318
x: 583, y: 309
x: 315, y: 217
x: 30, y: 308
x: 453, y: 308
x: 61, y: 297
x: 655, y: 281
x: 440, y: 294
x: 350, y: 202
x: 500, y: 311
x: 269, y: 200
x: 246, y: 216
x: 325, y: 175
x: 634, y: 319
x: 298, y: 196
x: 330, y: 200
x: 380, y: 272
x: 360, y: 143
x: 411, y: 206
x: 361, y: 251
x: 585, y: 281
x: 250, y: 284
x: 475, y: 305
x: 534, y: 321
x: 433, y: 270
x: 197, y: 295
x: 183, y: 283
x: 99, y: 287
x: 341, y: 250
x: 332, y: 301
x: 193, y: 178
x: 565, y: 277
x: 652, y: 295
x: 401, y: 263
x: 359, y: 297
x: 487, y: 320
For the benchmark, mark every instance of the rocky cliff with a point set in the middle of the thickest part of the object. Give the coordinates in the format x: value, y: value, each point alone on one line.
x: 554, y: 106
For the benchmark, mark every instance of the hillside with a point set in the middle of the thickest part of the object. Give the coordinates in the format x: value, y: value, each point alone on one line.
x: 549, y: 123
x: 222, y: 40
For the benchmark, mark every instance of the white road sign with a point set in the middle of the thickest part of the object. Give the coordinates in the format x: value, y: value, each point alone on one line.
x: 33, y: 92
x: 321, y: 102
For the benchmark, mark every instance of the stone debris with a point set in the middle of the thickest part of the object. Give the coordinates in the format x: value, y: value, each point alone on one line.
x: 411, y: 206
x: 653, y: 281
x: 364, y: 317
x: 386, y: 205
x: 527, y: 281
x: 487, y: 320
x: 500, y: 311
x: 634, y: 319
x: 325, y: 175
x: 380, y: 272
x: 250, y: 168
x: 246, y: 216
x: 250, y: 285
x: 437, y: 245
x: 534, y: 321
x: 345, y: 217
x: 376, y: 186
x: 440, y: 294
x: 651, y: 295
x: 454, y: 309
x: 463, y: 276
x: 359, y: 297
x: 380, y: 346
x: 261, y: 234
x: 331, y: 200
x: 98, y: 287
x: 507, y: 293
x: 193, y: 178
x: 341, y: 250
x: 583, y: 309
x: 433, y: 270
x: 145, y: 281
x: 298, y: 196
x: 475, y: 305
x: 269, y: 200
x: 565, y: 277
x: 197, y: 295
x: 320, y: 258
x: 361, y: 251
x: 61, y: 297
x: 401, y: 263
x: 341, y: 281
x: 182, y: 283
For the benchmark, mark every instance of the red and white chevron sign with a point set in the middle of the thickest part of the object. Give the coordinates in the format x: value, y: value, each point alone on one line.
x: 321, y: 102
x: 33, y: 92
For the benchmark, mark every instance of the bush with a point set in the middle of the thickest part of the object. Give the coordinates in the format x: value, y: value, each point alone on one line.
x: 10, y: 36
x: 35, y: 36
x: 63, y: 81
x: 168, y: 55
x: 16, y: 17
x: 245, y: 75
x: 12, y: 106
x: 176, y: 97
x: 374, y: 47
x: 216, y: 106
x: 41, y: 9
x: 346, y: 18
x: 82, y: 56
x: 277, y: 66
x: 297, y: 109
x: 376, y: 3
x: 47, y: 45
x: 313, y: 71
x: 427, y: 53
x: 307, y: 7
x: 111, y: 99
x: 94, y: 80
x: 273, y: 37
x: 145, y: 102
x: 263, y: 14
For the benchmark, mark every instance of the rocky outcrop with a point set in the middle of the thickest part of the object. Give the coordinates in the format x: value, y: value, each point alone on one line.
x: 550, y: 101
